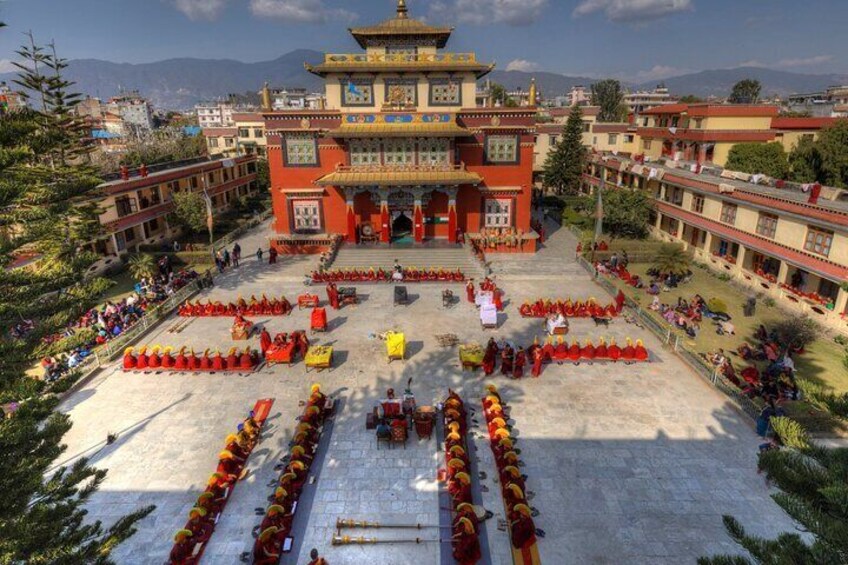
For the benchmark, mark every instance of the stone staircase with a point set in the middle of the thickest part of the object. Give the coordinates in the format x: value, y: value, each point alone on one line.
x: 448, y: 258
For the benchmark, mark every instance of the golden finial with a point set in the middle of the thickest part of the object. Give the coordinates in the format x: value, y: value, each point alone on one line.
x: 266, y: 97
x: 402, y: 11
x: 531, y: 99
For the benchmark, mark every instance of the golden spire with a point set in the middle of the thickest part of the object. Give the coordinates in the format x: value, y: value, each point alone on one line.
x: 266, y: 98
x: 531, y: 99
x: 402, y: 11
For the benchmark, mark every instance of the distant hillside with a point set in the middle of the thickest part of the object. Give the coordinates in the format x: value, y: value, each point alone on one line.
x: 180, y: 83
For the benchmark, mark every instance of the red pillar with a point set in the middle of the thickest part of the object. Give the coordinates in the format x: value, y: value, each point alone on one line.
x: 385, y: 228
x: 351, y: 223
x: 452, y: 221
x: 418, y: 222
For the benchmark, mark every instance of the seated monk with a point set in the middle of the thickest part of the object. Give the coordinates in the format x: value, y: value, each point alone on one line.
x: 613, y: 351
x: 513, y: 494
x: 311, y: 416
x: 455, y: 420
x: 212, y: 500
x: 200, y: 525
x: 298, y: 453
x: 208, y: 309
x: 640, y: 354
x: 220, y: 309
x: 458, y: 276
x: 277, y: 308
x: 525, y: 310
x: 181, y: 361
x: 569, y: 309
x: 503, y: 446
x: 153, y: 360
x: 241, y: 305
x: 465, y: 542
x: 231, y: 310
x: 316, y: 397
x: 264, y: 306
x: 281, y: 339
x: 168, y: 359
x: 499, y: 434
x: 247, y: 360
x: 601, y: 349
x: 496, y: 424
x: 184, y: 309
x: 217, y: 361
x: 581, y: 310
x: 129, y: 359
x: 574, y: 351
x: 205, y: 362
x: 561, y: 351
x: 277, y: 517
x: 456, y: 452
x: 492, y: 396
x: 266, y: 550
x: 237, y: 446
x: 251, y: 426
x: 310, y: 433
x: 459, y: 488
x: 301, y: 473
x: 286, y: 305
x: 253, y: 306
x: 494, y: 411
x: 197, y: 309
x: 510, y: 474
x: 456, y: 465
x: 183, y: 550
x: 628, y: 352
x: 228, y: 466
x: 548, y: 349
x: 281, y: 496
x: 193, y: 362
x: 522, y: 529
x: 452, y: 439
x: 588, y: 350
x: 232, y: 358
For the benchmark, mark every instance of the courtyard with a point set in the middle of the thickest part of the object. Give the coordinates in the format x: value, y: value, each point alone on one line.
x: 628, y: 463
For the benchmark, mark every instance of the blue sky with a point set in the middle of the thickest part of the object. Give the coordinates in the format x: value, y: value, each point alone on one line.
x: 631, y: 39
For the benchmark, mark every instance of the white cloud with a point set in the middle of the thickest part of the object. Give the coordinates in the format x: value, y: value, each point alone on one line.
x: 804, y: 61
x: 750, y: 63
x: 200, y: 9
x: 659, y: 72
x: 6, y: 66
x: 522, y: 65
x: 299, y: 11
x: 485, y: 12
x: 632, y: 11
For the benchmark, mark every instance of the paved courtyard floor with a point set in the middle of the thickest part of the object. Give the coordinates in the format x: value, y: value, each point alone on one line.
x: 629, y: 464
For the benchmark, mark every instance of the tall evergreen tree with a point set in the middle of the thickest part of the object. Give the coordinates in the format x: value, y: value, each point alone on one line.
x: 564, y: 165
x: 46, y: 210
x: 609, y: 95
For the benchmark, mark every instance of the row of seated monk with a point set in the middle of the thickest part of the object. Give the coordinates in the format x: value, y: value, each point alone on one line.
x: 186, y: 359
x: 465, y: 540
x: 409, y: 274
x: 570, y: 309
x: 563, y: 351
x: 277, y: 522
x: 263, y: 307
x: 190, y: 541
x: 522, y: 530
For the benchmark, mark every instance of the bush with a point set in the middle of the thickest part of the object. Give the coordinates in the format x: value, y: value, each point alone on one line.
x: 841, y: 340
x: 724, y: 277
x: 577, y: 220
x: 717, y: 305
x: 769, y: 302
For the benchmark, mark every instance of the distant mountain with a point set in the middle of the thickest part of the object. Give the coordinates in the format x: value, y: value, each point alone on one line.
x: 180, y: 83
x: 720, y: 82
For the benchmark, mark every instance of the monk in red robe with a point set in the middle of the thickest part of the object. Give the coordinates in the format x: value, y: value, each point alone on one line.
x: 217, y: 361
x: 183, y: 549
x: 200, y: 525
x: 601, y: 350
x: 507, y: 358
x: 613, y: 351
x: 466, y: 544
x: 641, y: 354
x: 522, y: 529
x: 469, y: 291
x: 264, y: 341
x: 193, y: 363
x: 538, y: 357
x: 588, y: 351
x: 153, y: 360
x: 277, y: 517
x: 266, y: 550
x: 302, y: 344
x: 246, y: 361
x: 181, y: 361
x: 460, y: 488
x: 520, y: 361
x: 333, y: 296
x: 129, y: 359
x: 205, y: 362
x: 490, y: 357
x: 496, y: 299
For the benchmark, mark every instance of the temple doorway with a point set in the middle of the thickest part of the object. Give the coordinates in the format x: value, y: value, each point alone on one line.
x: 401, y: 225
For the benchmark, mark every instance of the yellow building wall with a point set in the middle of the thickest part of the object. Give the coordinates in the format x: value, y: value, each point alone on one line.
x: 736, y: 123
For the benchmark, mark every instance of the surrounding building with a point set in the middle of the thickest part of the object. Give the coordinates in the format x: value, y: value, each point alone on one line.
x: 641, y: 100
x: 832, y: 103
x: 10, y: 100
x: 134, y: 110
x: 401, y: 151
x: 245, y: 137
x: 578, y: 96
x: 134, y: 209
x: 549, y: 130
x: 298, y: 98
x: 215, y: 114
x: 784, y: 240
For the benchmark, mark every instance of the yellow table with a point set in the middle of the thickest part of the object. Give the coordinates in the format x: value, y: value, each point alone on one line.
x: 471, y: 356
x: 319, y: 357
x: 395, y: 346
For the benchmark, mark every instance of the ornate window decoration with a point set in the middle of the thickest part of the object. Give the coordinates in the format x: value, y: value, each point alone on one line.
x: 502, y: 149
x: 401, y: 92
x: 498, y: 213
x: 364, y: 152
x: 406, y: 52
x: 301, y: 151
x: 307, y: 215
x: 399, y: 152
x: 357, y: 92
x: 433, y: 151
x: 445, y: 92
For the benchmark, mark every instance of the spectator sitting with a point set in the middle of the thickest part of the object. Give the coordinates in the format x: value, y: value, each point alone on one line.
x: 761, y: 333
x: 655, y: 304
x: 725, y: 327
x: 654, y: 288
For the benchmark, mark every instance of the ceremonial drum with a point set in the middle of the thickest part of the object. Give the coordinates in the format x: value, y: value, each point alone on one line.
x: 424, y: 418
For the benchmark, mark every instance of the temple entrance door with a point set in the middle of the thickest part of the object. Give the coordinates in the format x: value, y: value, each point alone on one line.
x: 401, y: 225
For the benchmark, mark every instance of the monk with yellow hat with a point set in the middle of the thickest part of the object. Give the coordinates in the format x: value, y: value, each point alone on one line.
x: 465, y: 542
x: 183, y: 547
x: 266, y: 550
x: 522, y: 529
x: 200, y: 524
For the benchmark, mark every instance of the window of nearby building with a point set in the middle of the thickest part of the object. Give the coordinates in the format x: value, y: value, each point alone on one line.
x: 502, y: 149
x: 553, y: 139
x: 357, y: 93
x: 697, y: 203
x: 697, y: 123
x: 401, y: 92
x: 229, y: 142
x: 193, y: 182
x: 301, y: 151
x: 498, y: 213
x: 728, y: 213
x: 586, y: 127
x: 129, y: 235
x: 767, y: 225
x: 306, y: 214
x: 213, y: 142
x: 433, y: 151
x: 399, y: 152
x: 125, y: 206
x: 210, y: 178
x: 612, y: 139
x: 447, y: 92
x: 258, y: 132
x: 628, y: 138
x: 226, y: 173
x: 244, y: 132
x: 364, y: 152
x: 153, y: 225
x: 646, y: 144
x: 818, y: 241
x: 828, y: 289
x: 674, y: 195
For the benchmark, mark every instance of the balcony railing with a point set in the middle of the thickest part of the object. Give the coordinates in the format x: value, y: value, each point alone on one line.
x: 343, y: 59
x: 422, y: 168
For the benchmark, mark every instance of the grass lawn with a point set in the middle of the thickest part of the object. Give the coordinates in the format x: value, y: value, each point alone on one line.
x: 821, y: 363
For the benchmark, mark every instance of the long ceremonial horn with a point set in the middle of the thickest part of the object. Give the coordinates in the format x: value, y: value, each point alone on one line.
x: 342, y: 523
x: 348, y: 540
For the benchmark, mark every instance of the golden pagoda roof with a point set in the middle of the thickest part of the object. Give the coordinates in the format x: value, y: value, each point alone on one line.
x: 399, y: 26
x: 400, y: 176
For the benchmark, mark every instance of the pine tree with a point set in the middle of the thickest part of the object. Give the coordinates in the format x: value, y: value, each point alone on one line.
x: 46, y: 210
x: 609, y: 95
x: 564, y: 165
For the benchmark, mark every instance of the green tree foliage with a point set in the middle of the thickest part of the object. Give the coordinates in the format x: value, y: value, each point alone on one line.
x: 805, y: 161
x: 46, y: 192
x: 626, y: 213
x: 672, y: 259
x: 794, y: 332
x: 500, y: 96
x: 746, y: 91
x: 609, y: 95
x: 142, y: 265
x: 765, y: 158
x: 832, y: 149
x: 564, y: 165
x: 690, y: 99
x: 263, y: 175
x: 189, y: 211
x: 153, y: 150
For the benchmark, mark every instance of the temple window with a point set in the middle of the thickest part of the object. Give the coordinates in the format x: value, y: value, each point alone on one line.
x: 433, y: 151
x: 728, y: 213
x: 301, y: 151
x: 399, y: 152
x: 307, y: 215
x: 400, y: 92
x: 446, y: 92
x: 357, y: 92
x: 400, y: 50
x: 502, y: 149
x: 364, y: 152
x: 498, y: 213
